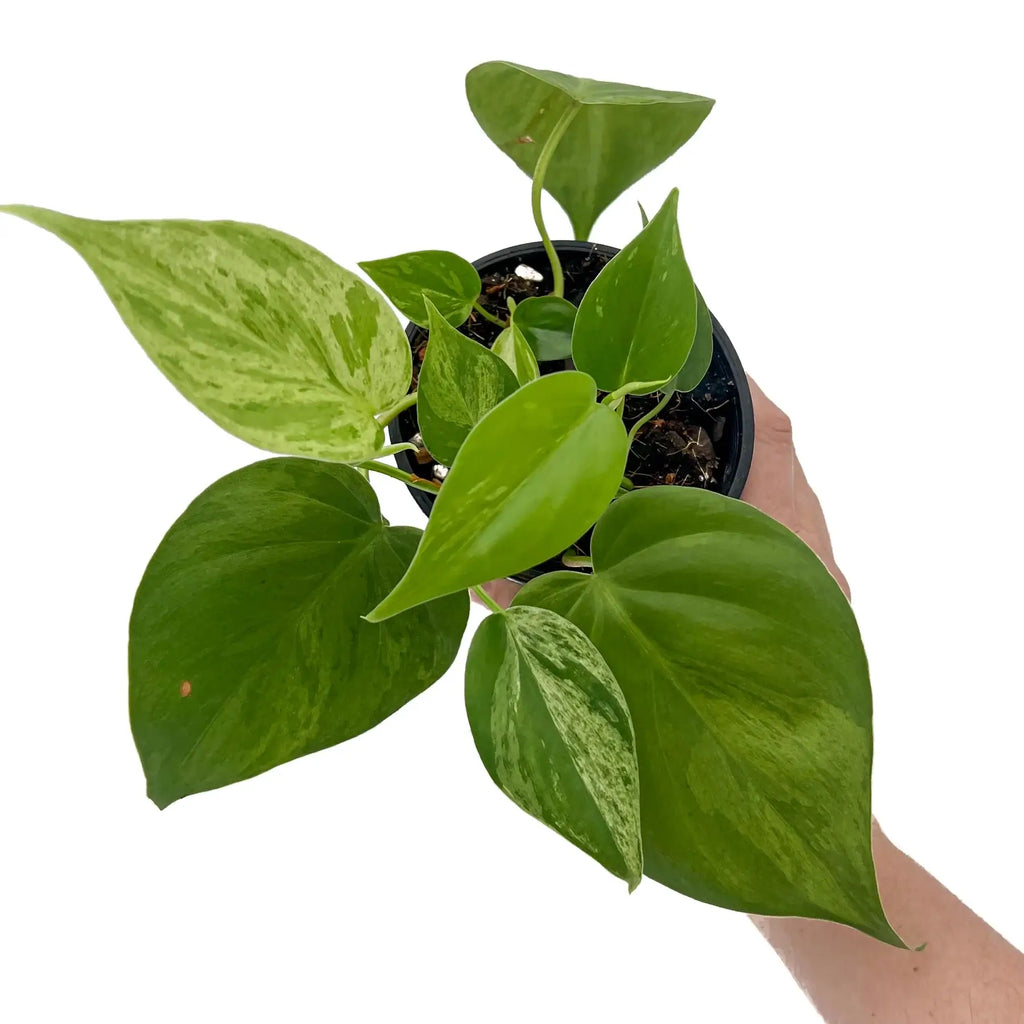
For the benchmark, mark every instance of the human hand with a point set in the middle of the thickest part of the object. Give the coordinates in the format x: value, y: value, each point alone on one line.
x: 776, y: 485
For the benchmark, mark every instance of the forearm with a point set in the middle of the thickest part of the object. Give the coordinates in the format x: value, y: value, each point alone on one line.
x: 967, y: 974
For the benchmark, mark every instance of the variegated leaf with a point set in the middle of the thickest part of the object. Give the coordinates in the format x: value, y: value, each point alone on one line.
x: 512, y: 347
x: 554, y: 732
x: 263, y: 333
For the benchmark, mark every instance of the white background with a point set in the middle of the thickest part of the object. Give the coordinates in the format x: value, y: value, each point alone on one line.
x: 852, y: 210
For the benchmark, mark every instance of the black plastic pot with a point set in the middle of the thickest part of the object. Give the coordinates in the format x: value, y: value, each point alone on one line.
x: 582, y: 261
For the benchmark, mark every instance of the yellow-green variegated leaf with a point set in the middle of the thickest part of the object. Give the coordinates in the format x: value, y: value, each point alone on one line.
x: 553, y: 730
x: 617, y: 133
x: 460, y: 382
x: 748, y: 688
x: 451, y: 283
x: 247, y: 645
x: 263, y: 333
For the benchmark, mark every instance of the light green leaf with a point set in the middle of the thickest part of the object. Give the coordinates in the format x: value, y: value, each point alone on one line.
x: 745, y: 675
x: 553, y: 730
x: 619, y: 133
x: 460, y: 382
x: 246, y: 646
x: 268, y: 337
x: 637, y: 320
x: 546, y: 322
x: 512, y: 348
x: 697, y: 362
x: 531, y: 478
x: 448, y: 281
x: 644, y: 219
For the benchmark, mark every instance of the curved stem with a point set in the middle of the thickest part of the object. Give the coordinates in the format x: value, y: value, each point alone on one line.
x: 397, y: 474
x: 541, y: 169
x: 649, y: 416
x: 486, y: 600
x: 387, y: 415
x: 489, y: 316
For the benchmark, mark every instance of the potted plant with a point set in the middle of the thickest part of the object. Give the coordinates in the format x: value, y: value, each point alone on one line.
x: 680, y: 690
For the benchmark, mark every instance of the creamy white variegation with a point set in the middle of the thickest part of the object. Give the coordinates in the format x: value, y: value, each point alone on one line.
x: 267, y: 336
x: 553, y: 730
x: 748, y: 686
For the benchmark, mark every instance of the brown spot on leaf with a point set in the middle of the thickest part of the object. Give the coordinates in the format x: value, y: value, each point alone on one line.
x: 524, y: 138
x: 185, y: 689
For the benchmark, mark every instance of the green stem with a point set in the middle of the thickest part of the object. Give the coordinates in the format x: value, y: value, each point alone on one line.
x: 487, y: 600
x: 626, y: 485
x: 574, y: 561
x: 649, y: 416
x: 634, y: 387
x: 405, y: 402
x: 489, y: 316
x: 397, y: 474
x: 541, y: 169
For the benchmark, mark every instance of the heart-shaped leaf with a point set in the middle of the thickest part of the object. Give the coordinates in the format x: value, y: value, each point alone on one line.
x: 460, y: 382
x: 697, y: 362
x: 744, y: 672
x: 546, y: 322
x: 513, y: 349
x: 637, y: 320
x: 531, y: 478
x: 554, y: 732
x: 618, y: 134
x: 246, y: 644
x: 267, y: 336
x: 448, y: 281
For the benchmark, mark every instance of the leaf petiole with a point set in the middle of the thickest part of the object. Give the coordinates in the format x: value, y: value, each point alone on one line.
x: 489, y: 316
x: 417, y: 482
x: 487, y: 601
x: 648, y: 416
x: 405, y: 402
x: 539, y: 172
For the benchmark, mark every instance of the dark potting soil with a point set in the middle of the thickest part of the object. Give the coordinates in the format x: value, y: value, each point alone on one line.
x: 686, y: 445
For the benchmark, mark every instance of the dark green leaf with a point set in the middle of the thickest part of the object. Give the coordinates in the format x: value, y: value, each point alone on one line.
x: 513, y: 349
x: 246, y: 644
x: 744, y: 672
x: 546, y: 322
x: 531, y: 478
x: 553, y: 731
x: 448, y: 281
x: 637, y: 320
x: 620, y: 132
x: 267, y: 336
x: 460, y: 382
x: 697, y: 362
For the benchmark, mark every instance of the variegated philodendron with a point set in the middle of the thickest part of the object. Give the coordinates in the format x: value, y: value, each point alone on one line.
x: 692, y: 704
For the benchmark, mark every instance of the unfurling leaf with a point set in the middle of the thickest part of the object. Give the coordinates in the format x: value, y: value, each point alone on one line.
x: 460, y: 382
x: 246, y: 644
x: 546, y: 322
x: 513, y: 349
x: 445, y: 279
x: 272, y: 340
x: 637, y: 320
x: 553, y: 730
x: 619, y: 132
x: 531, y: 478
x: 745, y: 675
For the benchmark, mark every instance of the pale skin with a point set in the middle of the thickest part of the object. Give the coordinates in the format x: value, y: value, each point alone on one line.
x: 968, y: 973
